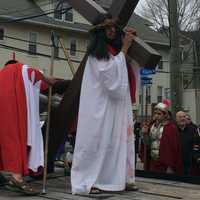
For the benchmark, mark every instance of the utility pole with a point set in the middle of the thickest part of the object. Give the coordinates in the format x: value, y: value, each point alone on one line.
x: 196, y: 75
x: 174, y: 61
x: 196, y: 70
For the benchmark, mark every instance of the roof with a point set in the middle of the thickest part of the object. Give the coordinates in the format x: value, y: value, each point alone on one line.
x: 194, y: 35
x: 10, y: 9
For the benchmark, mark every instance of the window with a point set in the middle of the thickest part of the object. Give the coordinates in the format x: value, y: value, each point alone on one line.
x: 148, y: 93
x: 58, y: 15
x: 159, y: 93
x: 32, y: 43
x: 73, y: 48
x: 58, y: 12
x: 61, y: 12
x: 167, y: 93
x: 187, y: 80
x: 69, y: 16
x: 1, y: 34
x: 160, y: 65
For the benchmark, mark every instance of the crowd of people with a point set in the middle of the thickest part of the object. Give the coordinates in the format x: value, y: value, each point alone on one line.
x: 170, y: 145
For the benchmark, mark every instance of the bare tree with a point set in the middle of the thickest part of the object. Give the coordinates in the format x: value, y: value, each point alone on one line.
x: 157, y: 12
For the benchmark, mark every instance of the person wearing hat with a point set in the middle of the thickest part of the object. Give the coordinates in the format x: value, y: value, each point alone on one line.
x: 103, y: 157
x: 162, y: 138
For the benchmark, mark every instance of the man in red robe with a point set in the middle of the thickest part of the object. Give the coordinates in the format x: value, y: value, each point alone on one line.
x: 13, y: 121
x: 162, y: 138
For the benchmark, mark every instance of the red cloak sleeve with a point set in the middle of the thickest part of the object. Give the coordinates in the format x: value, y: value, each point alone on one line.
x: 38, y: 76
x: 170, y: 151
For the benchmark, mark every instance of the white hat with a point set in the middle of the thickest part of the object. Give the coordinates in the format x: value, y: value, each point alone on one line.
x: 163, y: 106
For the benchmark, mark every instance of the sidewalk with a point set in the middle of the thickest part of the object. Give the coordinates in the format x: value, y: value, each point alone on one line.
x: 58, y: 188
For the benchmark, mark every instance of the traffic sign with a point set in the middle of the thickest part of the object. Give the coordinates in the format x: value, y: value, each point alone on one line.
x: 146, y: 78
x: 145, y: 71
x: 146, y: 82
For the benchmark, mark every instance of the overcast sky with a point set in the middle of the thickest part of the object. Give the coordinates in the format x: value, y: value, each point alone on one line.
x: 141, y: 2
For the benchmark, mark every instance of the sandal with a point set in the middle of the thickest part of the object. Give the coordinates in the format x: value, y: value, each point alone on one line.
x: 95, y: 191
x: 22, y: 187
x: 131, y: 187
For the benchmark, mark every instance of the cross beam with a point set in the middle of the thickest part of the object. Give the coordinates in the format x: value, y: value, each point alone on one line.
x: 139, y: 51
x: 87, y: 8
x: 123, y: 9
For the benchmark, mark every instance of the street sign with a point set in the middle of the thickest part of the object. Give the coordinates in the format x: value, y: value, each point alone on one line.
x: 145, y: 71
x: 144, y: 76
x: 146, y: 80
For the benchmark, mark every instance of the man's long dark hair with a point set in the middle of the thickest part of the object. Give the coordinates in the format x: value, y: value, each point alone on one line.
x: 98, y: 46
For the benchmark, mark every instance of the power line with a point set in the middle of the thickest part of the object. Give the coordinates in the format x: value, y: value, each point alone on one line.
x: 3, y: 46
x: 63, y: 10
x: 83, y: 51
x: 25, y: 9
x: 38, y: 43
x: 76, y: 61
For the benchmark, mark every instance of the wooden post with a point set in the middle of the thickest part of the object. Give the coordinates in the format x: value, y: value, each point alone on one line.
x: 48, y: 116
x: 67, y: 56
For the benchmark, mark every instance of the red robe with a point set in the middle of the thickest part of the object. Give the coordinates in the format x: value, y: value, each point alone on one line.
x: 13, y: 119
x: 170, y: 151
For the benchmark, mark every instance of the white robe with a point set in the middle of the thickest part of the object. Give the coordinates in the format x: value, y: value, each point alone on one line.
x: 34, y: 135
x: 104, y: 151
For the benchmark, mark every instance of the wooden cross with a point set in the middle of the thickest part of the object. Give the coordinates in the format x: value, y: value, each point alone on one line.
x: 139, y: 51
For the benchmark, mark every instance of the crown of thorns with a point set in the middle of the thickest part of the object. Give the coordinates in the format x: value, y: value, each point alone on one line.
x: 106, y: 23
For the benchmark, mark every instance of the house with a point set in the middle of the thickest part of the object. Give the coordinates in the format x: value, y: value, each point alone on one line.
x: 30, y: 39
x: 191, y: 73
x: 25, y: 32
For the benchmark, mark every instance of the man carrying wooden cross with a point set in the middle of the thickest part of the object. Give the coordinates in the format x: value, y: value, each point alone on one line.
x: 104, y: 150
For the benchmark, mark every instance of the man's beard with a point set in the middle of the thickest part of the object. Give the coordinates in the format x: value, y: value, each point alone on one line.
x: 116, y: 43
